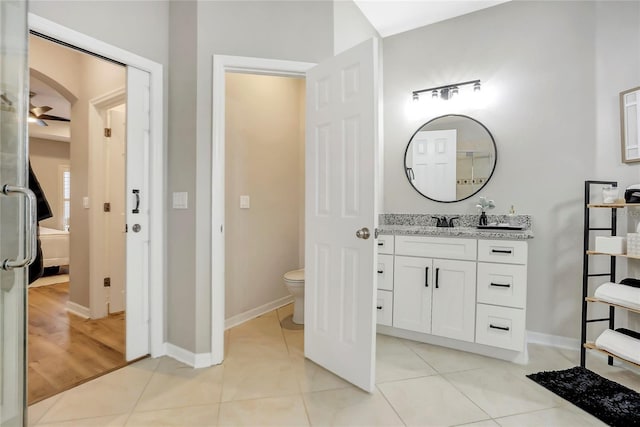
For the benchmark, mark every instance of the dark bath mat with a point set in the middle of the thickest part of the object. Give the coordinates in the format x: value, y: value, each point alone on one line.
x: 606, y: 400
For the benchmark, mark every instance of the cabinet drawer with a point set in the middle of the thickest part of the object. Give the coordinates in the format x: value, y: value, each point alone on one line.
x: 385, y: 272
x: 384, y: 307
x: 506, y: 251
x: 502, y: 284
x: 500, y: 327
x: 385, y: 244
x: 436, y: 247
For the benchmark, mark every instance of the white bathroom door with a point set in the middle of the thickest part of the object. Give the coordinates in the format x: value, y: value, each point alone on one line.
x: 434, y: 163
x: 137, y: 213
x: 341, y: 176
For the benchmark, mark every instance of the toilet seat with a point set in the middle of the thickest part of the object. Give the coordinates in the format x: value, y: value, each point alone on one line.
x: 294, y: 276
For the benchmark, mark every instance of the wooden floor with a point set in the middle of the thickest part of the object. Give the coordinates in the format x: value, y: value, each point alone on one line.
x: 65, y: 350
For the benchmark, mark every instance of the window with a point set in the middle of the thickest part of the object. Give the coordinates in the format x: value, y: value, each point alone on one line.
x: 65, y: 199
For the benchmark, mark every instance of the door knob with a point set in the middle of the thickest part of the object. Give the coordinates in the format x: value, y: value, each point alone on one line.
x: 363, y: 233
x: 136, y: 228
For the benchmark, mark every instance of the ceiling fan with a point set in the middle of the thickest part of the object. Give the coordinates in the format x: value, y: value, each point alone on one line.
x: 38, y: 115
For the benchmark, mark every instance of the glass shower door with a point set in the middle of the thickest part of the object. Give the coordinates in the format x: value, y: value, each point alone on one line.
x: 16, y: 211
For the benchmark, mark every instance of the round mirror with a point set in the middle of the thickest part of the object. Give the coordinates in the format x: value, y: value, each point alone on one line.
x: 450, y: 158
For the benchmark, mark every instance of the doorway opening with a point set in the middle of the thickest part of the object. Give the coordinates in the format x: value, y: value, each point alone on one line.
x: 71, y: 337
x: 224, y: 66
x: 145, y: 248
x: 264, y: 192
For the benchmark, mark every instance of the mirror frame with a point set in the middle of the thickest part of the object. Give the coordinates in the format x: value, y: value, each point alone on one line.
x: 495, y: 149
x: 623, y: 125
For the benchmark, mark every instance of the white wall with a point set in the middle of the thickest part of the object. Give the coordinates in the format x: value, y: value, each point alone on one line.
x: 262, y: 152
x: 551, y: 73
x: 292, y: 30
x: 46, y: 157
x: 139, y: 26
x: 350, y: 26
x: 181, y: 159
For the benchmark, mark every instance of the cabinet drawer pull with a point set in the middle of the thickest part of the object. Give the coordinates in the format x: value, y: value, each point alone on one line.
x: 426, y: 277
x: 437, y: 275
x: 380, y: 271
x: 379, y: 307
x: 502, y: 328
x: 501, y: 251
x: 380, y: 243
x: 498, y: 285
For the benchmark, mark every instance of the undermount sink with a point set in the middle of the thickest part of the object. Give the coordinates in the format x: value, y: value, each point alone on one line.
x: 500, y: 227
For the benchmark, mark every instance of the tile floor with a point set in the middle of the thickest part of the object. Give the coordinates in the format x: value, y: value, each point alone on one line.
x: 265, y: 381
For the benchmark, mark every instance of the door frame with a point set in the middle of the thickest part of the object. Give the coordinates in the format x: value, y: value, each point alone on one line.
x: 157, y: 163
x: 98, y: 108
x: 221, y: 65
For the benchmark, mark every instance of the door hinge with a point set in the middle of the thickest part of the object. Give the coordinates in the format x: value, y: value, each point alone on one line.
x: 107, y: 282
x: 107, y: 132
x: 107, y: 207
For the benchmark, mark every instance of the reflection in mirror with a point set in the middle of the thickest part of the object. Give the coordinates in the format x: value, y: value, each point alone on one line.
x: 629, y: 121
x: 450, y: 158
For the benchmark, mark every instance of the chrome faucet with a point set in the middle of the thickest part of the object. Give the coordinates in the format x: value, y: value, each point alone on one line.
x: 442, y: 221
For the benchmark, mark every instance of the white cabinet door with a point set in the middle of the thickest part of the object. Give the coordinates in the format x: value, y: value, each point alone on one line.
x: 341, y: 176
x: 384, y: 307
x: 385, y: 272
x: 454, y: 299
x: 413, y: 284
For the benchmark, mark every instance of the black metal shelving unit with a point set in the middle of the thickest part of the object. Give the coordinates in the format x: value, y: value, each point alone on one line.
x: 586, y: 274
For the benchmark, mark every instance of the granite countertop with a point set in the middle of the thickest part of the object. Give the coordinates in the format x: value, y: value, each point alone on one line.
x: 472, y: 232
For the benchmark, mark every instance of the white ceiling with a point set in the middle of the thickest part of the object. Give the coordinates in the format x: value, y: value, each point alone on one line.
x: 391, y: 17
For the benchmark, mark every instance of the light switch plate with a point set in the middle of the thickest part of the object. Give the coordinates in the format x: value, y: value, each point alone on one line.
x: 85, y: 202
x: 245, y: 202
x: 180, y: 200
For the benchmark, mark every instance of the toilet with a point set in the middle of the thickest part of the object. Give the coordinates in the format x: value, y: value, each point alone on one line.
x: 294, y: 281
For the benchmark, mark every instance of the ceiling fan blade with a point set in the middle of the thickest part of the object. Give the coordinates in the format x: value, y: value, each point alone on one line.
x: 36, y: 120
x: 56, y: 118
x: 40, y: 111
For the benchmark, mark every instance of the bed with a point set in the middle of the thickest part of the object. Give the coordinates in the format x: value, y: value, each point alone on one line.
x: 55, y: 247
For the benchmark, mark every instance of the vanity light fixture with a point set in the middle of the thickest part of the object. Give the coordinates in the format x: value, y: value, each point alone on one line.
x: 447, y: 91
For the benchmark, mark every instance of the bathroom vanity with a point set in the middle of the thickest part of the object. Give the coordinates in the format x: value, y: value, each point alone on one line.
x: 458, y: 287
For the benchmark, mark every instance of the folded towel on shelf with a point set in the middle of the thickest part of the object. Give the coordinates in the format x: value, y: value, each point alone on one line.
x: 631, y: 282
x: 629, y: 332
x: 619, y: 344
x: 614, y: 293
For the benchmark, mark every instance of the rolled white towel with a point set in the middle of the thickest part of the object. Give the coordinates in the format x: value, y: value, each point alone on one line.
x: 614, y: 293
x: 619, y: 344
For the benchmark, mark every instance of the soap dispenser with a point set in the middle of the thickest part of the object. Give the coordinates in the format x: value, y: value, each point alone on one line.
x: 511, y: 218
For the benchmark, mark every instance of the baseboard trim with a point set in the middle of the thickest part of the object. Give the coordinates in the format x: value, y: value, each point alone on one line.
x: 195, y: 360
x: 553, y: 340
x: 519, y: 357
x: 78, y: 310
x: 255, y: 312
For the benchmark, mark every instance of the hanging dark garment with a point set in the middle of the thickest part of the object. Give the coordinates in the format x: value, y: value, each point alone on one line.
x: 43, y: 211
